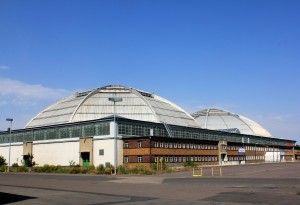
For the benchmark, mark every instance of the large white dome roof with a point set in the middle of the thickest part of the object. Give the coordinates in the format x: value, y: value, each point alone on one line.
x: 216, y: 119
x: 95, y: 104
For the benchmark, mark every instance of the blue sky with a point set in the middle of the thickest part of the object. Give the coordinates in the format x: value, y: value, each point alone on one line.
x: 241, y: 56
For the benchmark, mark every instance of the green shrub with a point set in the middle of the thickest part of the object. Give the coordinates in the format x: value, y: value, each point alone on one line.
x: 122, y: 170
x: 15, y: 165
x: 2, y: 168
x: 75, y: 170
x: 2, y: 161
x: 28, y: 160
x: 21, y: 169
x: 108, y: 171
x: 190, y: 164
x: 101, y: 169
x: 72, y: 163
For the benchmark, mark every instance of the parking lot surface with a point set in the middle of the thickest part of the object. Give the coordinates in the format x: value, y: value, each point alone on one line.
x: 277, y: 183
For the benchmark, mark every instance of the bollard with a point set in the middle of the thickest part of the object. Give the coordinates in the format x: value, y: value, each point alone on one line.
x: 197, y: 175
x: 220, y: 171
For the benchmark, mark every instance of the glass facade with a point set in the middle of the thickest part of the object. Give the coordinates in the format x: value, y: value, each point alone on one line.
x: 62, y: 132
x: 134, y: 128
x: 143, y: 129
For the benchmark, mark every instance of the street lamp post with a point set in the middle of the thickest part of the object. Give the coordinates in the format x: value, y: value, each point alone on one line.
x: 10, y: 120
x: 255, y: 152
x: 114, y: 100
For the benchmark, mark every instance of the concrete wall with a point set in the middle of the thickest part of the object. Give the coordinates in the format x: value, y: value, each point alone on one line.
x: 16, y: 152
x: 56, y: 153
x: 27, y: 148
x: 272, y: 156
x: 108, y: 146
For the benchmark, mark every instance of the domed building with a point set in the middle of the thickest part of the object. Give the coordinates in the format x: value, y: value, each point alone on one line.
x: 217, y: 119
x: 98, y: 103
x: 119, y: 125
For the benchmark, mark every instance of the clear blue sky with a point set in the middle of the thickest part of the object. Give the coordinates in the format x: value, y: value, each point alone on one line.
x: 241, y: 56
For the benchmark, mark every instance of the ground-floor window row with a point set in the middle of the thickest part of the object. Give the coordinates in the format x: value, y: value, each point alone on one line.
x: 170, y: 159
x: 254, y: 148
x: 243, y: 158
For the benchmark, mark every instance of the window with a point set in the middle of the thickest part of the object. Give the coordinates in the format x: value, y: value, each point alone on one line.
x: 183, y: 146
x: 139, y: 144
x: 179, y: 146
x: 175, y: 159
x: 170, y: 145
x: 166, y: 145
x: 126, y: 159
x: 155, y: 159
x: 140, y: 159
x: 187, y: 146
x: 171, y: 159
x: 175, y: 145
x: 126, y: 145
x: 101, y: 152
x: 166, y: 159
x: 199, y: 147
x: 156, y: 144
x: 161, y: 144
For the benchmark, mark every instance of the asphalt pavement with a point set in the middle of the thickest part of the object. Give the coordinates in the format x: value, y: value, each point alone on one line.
x: 277, y: 183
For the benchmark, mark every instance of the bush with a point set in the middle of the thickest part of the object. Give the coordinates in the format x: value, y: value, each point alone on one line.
x: 20, y: 169
x: 28, y: 160
x: 75, y: 170
x: 2, y: 161
x: 2, y: 168
x: 15, y: 165
x: 190, y: 164
x: 101, y: 169
x: 122, y: 170
x: 108, y: 171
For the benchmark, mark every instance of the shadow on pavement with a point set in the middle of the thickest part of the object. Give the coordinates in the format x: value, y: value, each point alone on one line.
x: 6, y: 198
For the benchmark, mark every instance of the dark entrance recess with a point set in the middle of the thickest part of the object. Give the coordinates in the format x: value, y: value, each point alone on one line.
x: 223, y: 157
x: 85, y: 156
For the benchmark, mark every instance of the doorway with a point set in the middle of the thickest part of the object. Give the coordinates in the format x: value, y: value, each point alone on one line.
x: 85, y: 157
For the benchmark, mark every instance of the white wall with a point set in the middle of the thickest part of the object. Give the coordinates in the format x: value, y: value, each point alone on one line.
x: 108, y: 146
x: 16, y: 153
x: 107, y: 143
x: 272, y: 156
x: 58, y: 153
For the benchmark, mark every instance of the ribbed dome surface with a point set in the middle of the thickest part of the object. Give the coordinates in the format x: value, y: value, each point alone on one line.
x: 216, y: 119
x: 95, y: 104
